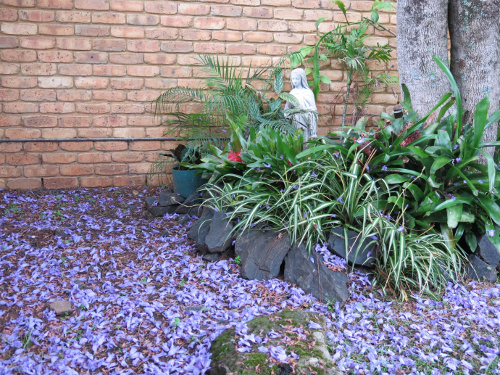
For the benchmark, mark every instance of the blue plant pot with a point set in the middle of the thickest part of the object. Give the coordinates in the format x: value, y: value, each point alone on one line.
x: 187, y: 182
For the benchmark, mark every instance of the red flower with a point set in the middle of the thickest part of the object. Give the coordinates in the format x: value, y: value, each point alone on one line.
x: 235, y: 156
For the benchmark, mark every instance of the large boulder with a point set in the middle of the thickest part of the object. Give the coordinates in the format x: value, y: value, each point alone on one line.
x: 220, y: 236
x: 359, y: 254
x: 274, y: 344
x: 200, y: 229
x: 479, y: 270
x: 189, y: 203
x: 488, y: 251
x: 262, y: 253
x: 170, y: 199
x: 312, y: 276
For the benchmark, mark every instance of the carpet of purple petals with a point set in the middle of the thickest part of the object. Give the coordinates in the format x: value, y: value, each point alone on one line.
x: 150, y: 305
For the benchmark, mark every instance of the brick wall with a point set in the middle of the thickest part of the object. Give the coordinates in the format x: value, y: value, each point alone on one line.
x: 90, y: 68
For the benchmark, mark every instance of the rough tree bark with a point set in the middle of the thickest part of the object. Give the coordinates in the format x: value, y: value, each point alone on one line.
x: 421, y: 33
x: 475, y: 40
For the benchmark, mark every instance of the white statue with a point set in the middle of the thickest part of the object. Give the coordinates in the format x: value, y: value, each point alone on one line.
x: 307, y: 121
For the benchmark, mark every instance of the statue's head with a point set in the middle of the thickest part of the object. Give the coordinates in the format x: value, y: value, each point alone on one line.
x: 298, y: 78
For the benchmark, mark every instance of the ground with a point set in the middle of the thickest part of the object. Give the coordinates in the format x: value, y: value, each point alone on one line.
x: 143, y: 301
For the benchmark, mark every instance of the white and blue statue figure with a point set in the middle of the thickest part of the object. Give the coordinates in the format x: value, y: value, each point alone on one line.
x: 307, y: 120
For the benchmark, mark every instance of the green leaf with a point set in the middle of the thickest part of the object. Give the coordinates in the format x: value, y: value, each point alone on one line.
x: 454, y: 213
x: 325, y: 79
x: 341, y: 5
x: 471, y: 240
x: 441, y: 161
x: 479, y: 122
x: 383, y: 5
x: 317, y: 24
x: 374, y: 16
x: 395, y: 179
x: 451, y: 202
x: 290, y: 98
x: 278, y: 81
x: 492, y: 209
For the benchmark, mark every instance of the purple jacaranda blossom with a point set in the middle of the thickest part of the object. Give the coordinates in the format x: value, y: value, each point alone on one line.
x: 267, y: 165
x: 313, y: 174
x: 384, y: 168
x: 491, y: 233
x: 313, y: 325
x: 401, y: 228
x: 339, y: 199
x: 278, y: 353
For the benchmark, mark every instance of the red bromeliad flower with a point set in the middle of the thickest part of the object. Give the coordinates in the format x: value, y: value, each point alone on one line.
x: 235, y: 156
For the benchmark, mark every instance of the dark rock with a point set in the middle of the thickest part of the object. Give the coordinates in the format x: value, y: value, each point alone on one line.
x: 61, y: 307
x: 210, y: 257
x: 285, y: 369
x: 219, y: 370
x: 488, y: 251
x: 81, y: 284
x: 315, y: 278
x: 200, y: 229
x: 262, y: 254
x: 196, y: 211
x: 165, y: 233
x: 358, y: 254
x: 159, y: 211
x: 170, y: 199
x: 219, y: 238
x: 190, y: 202
x: 150, y: 201
x: 60, y: 233
x: 308, y: 343
x: 479, y: 270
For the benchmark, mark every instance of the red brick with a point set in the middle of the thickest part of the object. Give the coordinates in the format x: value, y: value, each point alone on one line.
x: 246, y: 2
x: 40, y: 121
x: 18, y: 28
x: 18, y: 56
x: 351, y: 17
x: 241, y: 49
x: 24, y: 183
x: 126, y: 58
x: 159, y: 59
x: 256, y: 61
x: 142, y: 96
x: 40, y: 146
x: 73, y: 16
x: 162, y: 33
x: 110, y: 121
x: 211, y: 23
x: 58, y: 133
x: 143, y: 45
x: 289, y: 38
x: 74, y: 44
x: 155, y: 132
x: 8, y: 42
x: 307, y: 4
x: 94, y: 157
x: 127, y: 6
x: 143, y: 19
x: 114, y: 18
x: 160, y: 84
x: 227, y: 36
x: 91, y: 83
x: 38, y: 95
x: 10, y: 120
x: 8, y: 171
x: 20, y: 107
x: 129, y: 133
x: 110, y: 70
x: 226, y: 10
x: 22, y: 133
x: 95, y: 182
x: 57, y: 107
x: 58, y: 158
x: 272, y: 49
x: 109, y: 96
x: 143, y: 71
x: 56, y: 30
x: 55, y: 82
x: 92, y: 30
x: 76, y: 170
x: 111, y: 169
x: 129, y: 181
x: 41, y: 171
x: 273, y: 25
x: 22, y: 159
x: 315, y: 14
x: 277, y: 3
x: 92, y: 108
x: 127, y: 108
x: 75, y: 121
x: 161, y: 7
x: 75, y: 69
x: 127, y: 32
x: 11, y: 147
x: 37, y: 43
x: 91, y: 57
x: 95, y: 133
x: 55, y: 56
x: 258, y: 37
x: 20, y: 3
x: 8, y: 15
x: 139, y: 168
x: 177, y: 21
x: 302, y: 27
x: 60, y: 182
x: 258, y: 12
x: 8, y: 95
x: 126, y: 83
x: 241, y: 24
x: 92, y: 4
x: 55, y: 4
x: 177, y: 71
x: 36, y: 15
x: 127, y: 157
x: 288, y: 14
x: 209, y: 48
x: 39, y: 69
x: 194, y: 9
x: 174, y: 47
x: 144, y: 145
x: 195, y: 34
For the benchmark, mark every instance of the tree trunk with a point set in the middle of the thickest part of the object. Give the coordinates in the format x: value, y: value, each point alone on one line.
x: 422, y: 32
x: 475, y: 40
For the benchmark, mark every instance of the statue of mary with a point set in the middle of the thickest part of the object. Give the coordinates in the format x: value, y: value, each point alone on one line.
x: 307, y: 120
